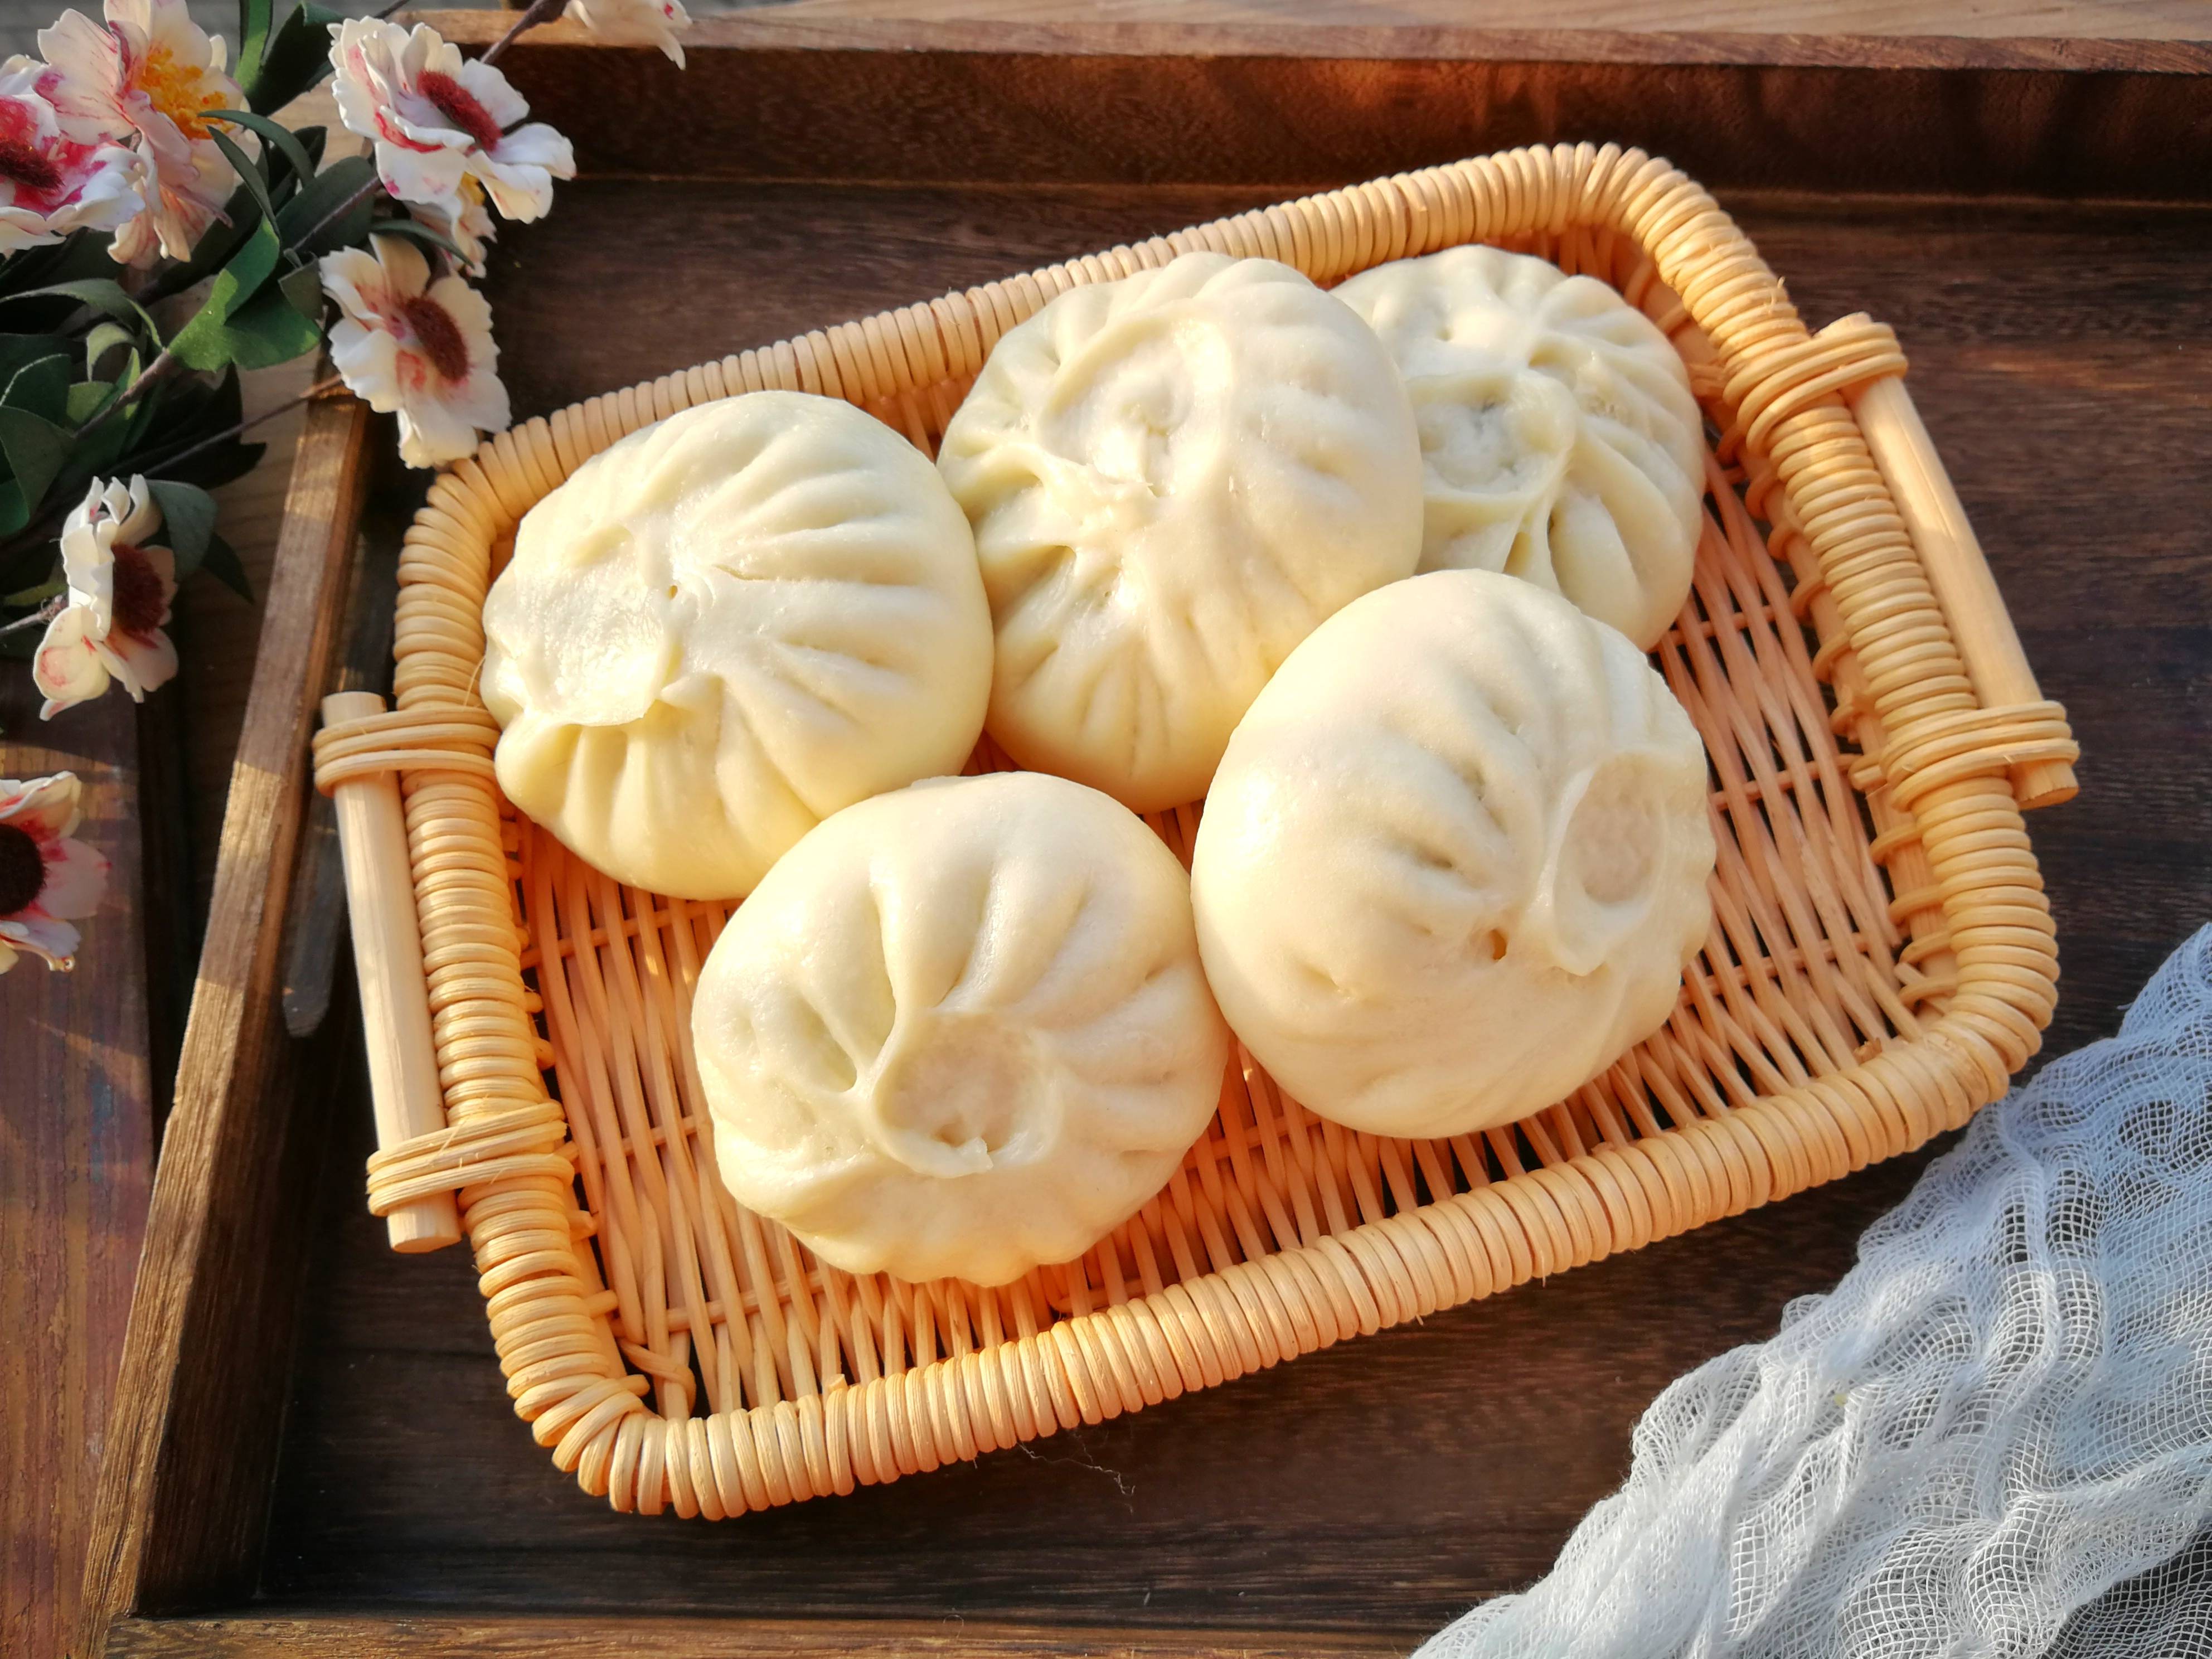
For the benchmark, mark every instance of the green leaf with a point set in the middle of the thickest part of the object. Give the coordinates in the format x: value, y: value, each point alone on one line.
x: 310, y: 140
x: 187, y: 519
x: 322, y: 196
x: 273, y: 133
x: 30, y: 267
x: 416, y: 231
x: 249, y: 176
x: 192, y: 407
x: 38, y: 595
x: 297, y: 56
x: 41, y: 386
x: 88, y: 398
x: 206, y: 342
x: 103, y: 338
x: 272, y: 330
x: 253, y: 18
x: 98, y: 450
x: 216, y: 244
x: 15, y: 513
x: 221, y: 560
x: 304, y: 289
x: 82, y: 254
x: 16, y: 350
x: 102, y: 294
x: 36, y: 448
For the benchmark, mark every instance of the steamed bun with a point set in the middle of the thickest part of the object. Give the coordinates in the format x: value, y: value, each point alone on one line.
x: 960, y: 1031
x: 1560, y: 438
x: 727, y: 627
x: 1173, y: 478
x: 1455, y: 859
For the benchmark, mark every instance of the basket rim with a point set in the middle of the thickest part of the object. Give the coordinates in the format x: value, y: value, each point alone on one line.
x: 1928, y: 744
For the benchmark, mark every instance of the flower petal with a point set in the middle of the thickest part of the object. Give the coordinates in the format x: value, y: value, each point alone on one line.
x: 67, y: 667
x: 46, y: 808
x: 483, y: 83
x: 54, y: 942
x: 87, y: 60
x: 140, y: 518
x: 430, y: 433
x: 367, y: 361
x: 428, y: 176
x: 521, y: 193
x: 144, y: 662
x: 405, y: 266
x: 88, y: 558
x: 77, y: 880
x: 353, y: 278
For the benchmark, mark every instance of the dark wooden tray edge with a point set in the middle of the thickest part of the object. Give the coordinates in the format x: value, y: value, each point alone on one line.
x: 353, y: 1636
x: 774, y: 31
x: 184, y: 1484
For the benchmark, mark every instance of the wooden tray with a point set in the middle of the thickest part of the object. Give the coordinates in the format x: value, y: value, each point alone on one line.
x: 189, y: 1486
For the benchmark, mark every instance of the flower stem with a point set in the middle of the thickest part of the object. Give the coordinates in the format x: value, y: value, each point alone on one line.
x: 155, y: 372
x: 337, y: 214
x: 45, y: 613
x: 539, y: 10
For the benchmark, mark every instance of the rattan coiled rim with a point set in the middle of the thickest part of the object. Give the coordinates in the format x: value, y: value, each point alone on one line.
x: 1978, y: 962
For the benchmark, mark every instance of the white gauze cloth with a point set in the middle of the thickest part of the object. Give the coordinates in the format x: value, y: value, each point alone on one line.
x: 2002, y: 1411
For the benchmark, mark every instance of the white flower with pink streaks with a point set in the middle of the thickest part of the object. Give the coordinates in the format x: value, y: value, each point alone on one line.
x: 50, y: 183
x: 419, y: 350
x: 472, y: 230
x: 48, y: 880
x: 151, y: 74
x: 119, y: 590
x: 654, y: 23
x: 438, y: 118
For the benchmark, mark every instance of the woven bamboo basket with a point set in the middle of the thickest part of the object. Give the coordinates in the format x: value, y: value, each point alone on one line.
x: 1881, y: 956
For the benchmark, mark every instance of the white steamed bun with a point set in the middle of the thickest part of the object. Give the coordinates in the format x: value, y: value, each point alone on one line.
x: 1455, y: 859
x: 960, y: 1029
x: 1173, y: 478
x: 1561, y: 440
x: 727, y: 627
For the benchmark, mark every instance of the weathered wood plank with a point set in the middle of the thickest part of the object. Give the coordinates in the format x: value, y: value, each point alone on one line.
x: 76, y: 1128
x: 1984, y: 19
x: 770, y: 97
x: 264, y: 1636
x: 184, y: 1484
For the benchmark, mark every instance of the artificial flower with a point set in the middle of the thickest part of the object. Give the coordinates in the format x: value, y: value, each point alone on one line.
x: 471, y: 229
x: 634, y: 23
x: 438, y: 118
x: 151, y: 73
x: 119, y: 589
x: 419, y: 350
x: 47, y: 880
x: 50, y: 183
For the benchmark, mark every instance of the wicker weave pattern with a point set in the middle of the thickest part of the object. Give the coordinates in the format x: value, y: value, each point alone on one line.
x: 675, y: 1351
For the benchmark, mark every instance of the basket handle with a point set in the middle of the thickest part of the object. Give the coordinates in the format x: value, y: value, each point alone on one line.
x: 1957, y: 569
x: 395, y: 995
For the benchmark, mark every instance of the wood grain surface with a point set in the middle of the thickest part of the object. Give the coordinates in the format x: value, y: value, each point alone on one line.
x: 773, y: 98
x: 184, y: 1483
x: 76, y: 1127
x: 2115, y: 19
x: 345, y: 1635
x: 2060, y: 355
